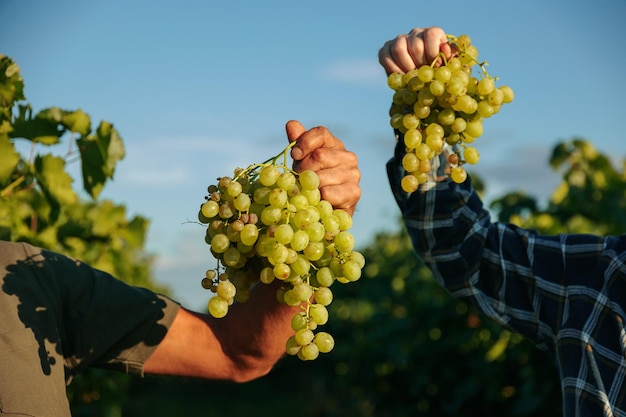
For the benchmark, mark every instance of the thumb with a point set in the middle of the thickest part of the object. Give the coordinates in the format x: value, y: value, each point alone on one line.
x: 294, y: 130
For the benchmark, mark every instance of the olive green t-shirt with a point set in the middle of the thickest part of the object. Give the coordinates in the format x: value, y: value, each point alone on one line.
x: 59, y: 316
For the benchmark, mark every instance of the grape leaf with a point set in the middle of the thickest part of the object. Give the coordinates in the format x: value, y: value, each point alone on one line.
x: 44, y: 128
x: 9, y: 159
x: 100, y: 153
x: 54, y: 181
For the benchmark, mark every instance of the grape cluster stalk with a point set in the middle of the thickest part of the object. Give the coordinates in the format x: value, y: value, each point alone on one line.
x: 268, y: 222
x: 444, y: 106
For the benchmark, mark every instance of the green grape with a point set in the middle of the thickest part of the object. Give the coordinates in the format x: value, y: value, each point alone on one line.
x: 315, y: 232
x: 323, y: 296
x: 283, y: 233
x: 324, y: 341
x: 410, y: 121
x: 299, y: 321
x: 234, y: 189
x: 291, y: 347
x: 266, y: 275
x: 300, y: 201
x: 309, y: 352
x: 410, y: 162
x: 300, y: 239
x: 358, y: 258
x: 282, y: 271
x: 458, y: 174
x: 458, y: 125
x: 409, y: 183
x: 345, y: 220
x: 437, y: 88
x: 220, y: 242
x: 395, y: 81
x: 302, y: 291
x: 270, y: 215
x: 249, y: 234
x: 302, y: 219
x: 508, y: 94
x: 232, y: 256
x: 218, y: 307
x: 314, y: 251
x: 226, y: 289
x: 471, y: 155
x: 286, y: 180
x: 304, y: 336
x: 278, y: 197
x: 443, y: 73
x: 474, y: 128
x: 485, y: 86
x: 242, y: 202
x: 301, y: 265
x: 210, y: 209
x: 268, y: 175
x: 425, y: 73
x: 351, y: 271
x: 325, y: 276
x: 313, y: 196
x: 318, y: 313
x: 412, y: 138
x: 344, y: 241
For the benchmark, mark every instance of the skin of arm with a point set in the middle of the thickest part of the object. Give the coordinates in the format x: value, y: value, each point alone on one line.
x: 248, y: 342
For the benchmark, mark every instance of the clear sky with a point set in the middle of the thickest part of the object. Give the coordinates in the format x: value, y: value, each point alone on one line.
x: 197, y: 88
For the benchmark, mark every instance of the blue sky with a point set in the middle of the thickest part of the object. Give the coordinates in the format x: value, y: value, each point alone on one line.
x: 197, y: 88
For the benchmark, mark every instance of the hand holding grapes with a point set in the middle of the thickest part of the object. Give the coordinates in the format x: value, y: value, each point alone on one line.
x: 409, y: 51
x: 439, y: 104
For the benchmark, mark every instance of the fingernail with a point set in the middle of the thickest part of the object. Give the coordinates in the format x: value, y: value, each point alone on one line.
x: 296, y: 153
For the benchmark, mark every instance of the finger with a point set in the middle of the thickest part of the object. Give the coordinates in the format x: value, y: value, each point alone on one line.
x: 386, y: 60
x: 294, y: 129
x: 340, y: 187
x: 328, y: 158
x: 415, y: 47
x: 313, y: 139
x: 434, y: 38
x: 401, y: 54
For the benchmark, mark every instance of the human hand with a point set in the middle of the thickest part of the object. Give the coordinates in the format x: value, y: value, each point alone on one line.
x: 319, y: 150
x: 420, y: 46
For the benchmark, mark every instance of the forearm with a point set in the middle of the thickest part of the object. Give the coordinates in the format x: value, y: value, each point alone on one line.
x: 242, y: 346
x: 452, y: 233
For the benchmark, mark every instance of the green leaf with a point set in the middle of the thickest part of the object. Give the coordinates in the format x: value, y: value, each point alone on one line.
x: 77, y: 121
x: 99, y: 154
x: 54, y: 181
x: 11, y: 82
x: 44, y: 128
x: 9, y: 159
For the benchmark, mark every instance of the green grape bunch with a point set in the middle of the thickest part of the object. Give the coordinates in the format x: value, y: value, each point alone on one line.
x: 441, y: 108
x: 268, y: 222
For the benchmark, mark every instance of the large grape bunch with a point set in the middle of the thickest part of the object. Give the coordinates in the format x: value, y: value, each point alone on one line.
x: 268, y: 222
x: 443, y: 107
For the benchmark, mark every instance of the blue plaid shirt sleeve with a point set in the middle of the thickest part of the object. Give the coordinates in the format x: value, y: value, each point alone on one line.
x: 566, y: 293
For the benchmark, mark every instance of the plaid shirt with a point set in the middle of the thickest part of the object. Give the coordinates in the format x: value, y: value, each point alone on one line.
x: 567, y: 293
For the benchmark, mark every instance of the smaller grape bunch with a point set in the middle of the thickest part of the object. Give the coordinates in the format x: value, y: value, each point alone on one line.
x: 443, y: 107
x: 268, y: 222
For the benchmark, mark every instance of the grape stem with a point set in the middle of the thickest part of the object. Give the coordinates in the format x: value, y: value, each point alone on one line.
x: 453, y: 40
x: 251, y: 170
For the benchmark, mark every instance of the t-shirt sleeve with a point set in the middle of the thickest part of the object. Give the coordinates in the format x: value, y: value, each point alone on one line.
x: 103, y: 321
